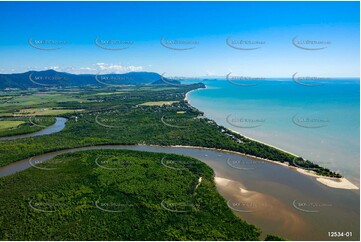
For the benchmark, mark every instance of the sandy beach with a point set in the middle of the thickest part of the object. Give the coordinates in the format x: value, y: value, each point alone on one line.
x: 186, y: 96
x: 340, y: 183
x: 252, y: 207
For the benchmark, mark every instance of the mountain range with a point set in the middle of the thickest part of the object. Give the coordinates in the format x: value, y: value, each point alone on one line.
x: 52, y: 78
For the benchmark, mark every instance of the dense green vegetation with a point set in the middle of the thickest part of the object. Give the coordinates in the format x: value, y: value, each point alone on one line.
x: 117, y: 195
x: 273, y: 238
x: 116, y: 117
x: 28, y: 125
x: 308, y: 165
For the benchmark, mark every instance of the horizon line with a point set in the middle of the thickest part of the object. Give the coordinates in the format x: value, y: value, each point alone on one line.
x: 179, y: 76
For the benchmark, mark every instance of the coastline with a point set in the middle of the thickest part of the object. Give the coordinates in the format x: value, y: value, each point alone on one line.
x: 340, y: 183
x: 187, y: 99
x: 186, y: 95
x: 264, y: 143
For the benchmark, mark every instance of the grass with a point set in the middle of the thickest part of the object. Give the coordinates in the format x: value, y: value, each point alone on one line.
x: 158, y: 103
x: 38, y: 99
x: 5, y: 125
x: 158, y: 88
x: 45, y: 111
x: 132, y: 123
x: 108, y: 93
x: 15, y: 126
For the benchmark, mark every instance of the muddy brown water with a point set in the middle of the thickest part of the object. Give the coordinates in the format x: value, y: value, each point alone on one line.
x: 277, y: 199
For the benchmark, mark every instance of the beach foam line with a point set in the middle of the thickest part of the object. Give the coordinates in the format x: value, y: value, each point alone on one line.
x: 186, y: 99
x: 187, y: 93
x: 341, y: 183
x: 265, y: 143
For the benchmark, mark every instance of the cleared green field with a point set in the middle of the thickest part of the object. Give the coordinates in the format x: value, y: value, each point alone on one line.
x: 157, y: 88
x: 5, y: 99
x: 107, y: 93
x: 45, y: 111
x: 38, y: 98
x: 5, y: 125
x: 22, y: 125
x: 159, y: 103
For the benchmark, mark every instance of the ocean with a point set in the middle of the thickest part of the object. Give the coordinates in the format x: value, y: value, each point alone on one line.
x: 318, y: 121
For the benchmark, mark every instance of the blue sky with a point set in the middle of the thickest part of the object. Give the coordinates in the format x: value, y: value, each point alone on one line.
x: 205, y: 26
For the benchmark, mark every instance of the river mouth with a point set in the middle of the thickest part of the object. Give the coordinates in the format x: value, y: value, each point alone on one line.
x: 58, y: 126
x: 275, y: 198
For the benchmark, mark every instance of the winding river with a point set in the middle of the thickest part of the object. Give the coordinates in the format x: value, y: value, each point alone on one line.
x: 58, y: 126
x: 277, y: 199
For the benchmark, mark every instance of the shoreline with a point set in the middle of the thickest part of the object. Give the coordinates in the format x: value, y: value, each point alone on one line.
x: 264, y: 143
x: 187, y: 99
x: 187, y: 93
x: 340, y: 183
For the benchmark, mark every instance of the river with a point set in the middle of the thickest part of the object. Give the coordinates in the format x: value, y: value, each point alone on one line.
x: 275, y: 198
x: 58, y: 126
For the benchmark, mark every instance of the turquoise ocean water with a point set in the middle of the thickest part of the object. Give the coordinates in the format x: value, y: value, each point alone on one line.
x: 320, y: 123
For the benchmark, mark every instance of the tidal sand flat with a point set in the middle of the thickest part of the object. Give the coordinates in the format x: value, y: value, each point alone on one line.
x: 278, y: 199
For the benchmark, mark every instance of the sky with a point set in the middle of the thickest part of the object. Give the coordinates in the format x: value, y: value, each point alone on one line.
x: 190, y: 39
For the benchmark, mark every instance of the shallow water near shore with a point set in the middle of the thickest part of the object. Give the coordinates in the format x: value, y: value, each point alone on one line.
x: 275, y: 198
x: 319, y: 123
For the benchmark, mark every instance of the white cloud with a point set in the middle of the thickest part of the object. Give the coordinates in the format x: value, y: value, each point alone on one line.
x: 114, y: 68
x: 210, y: 73
x: 86, y: 69
x: 100, y: 67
